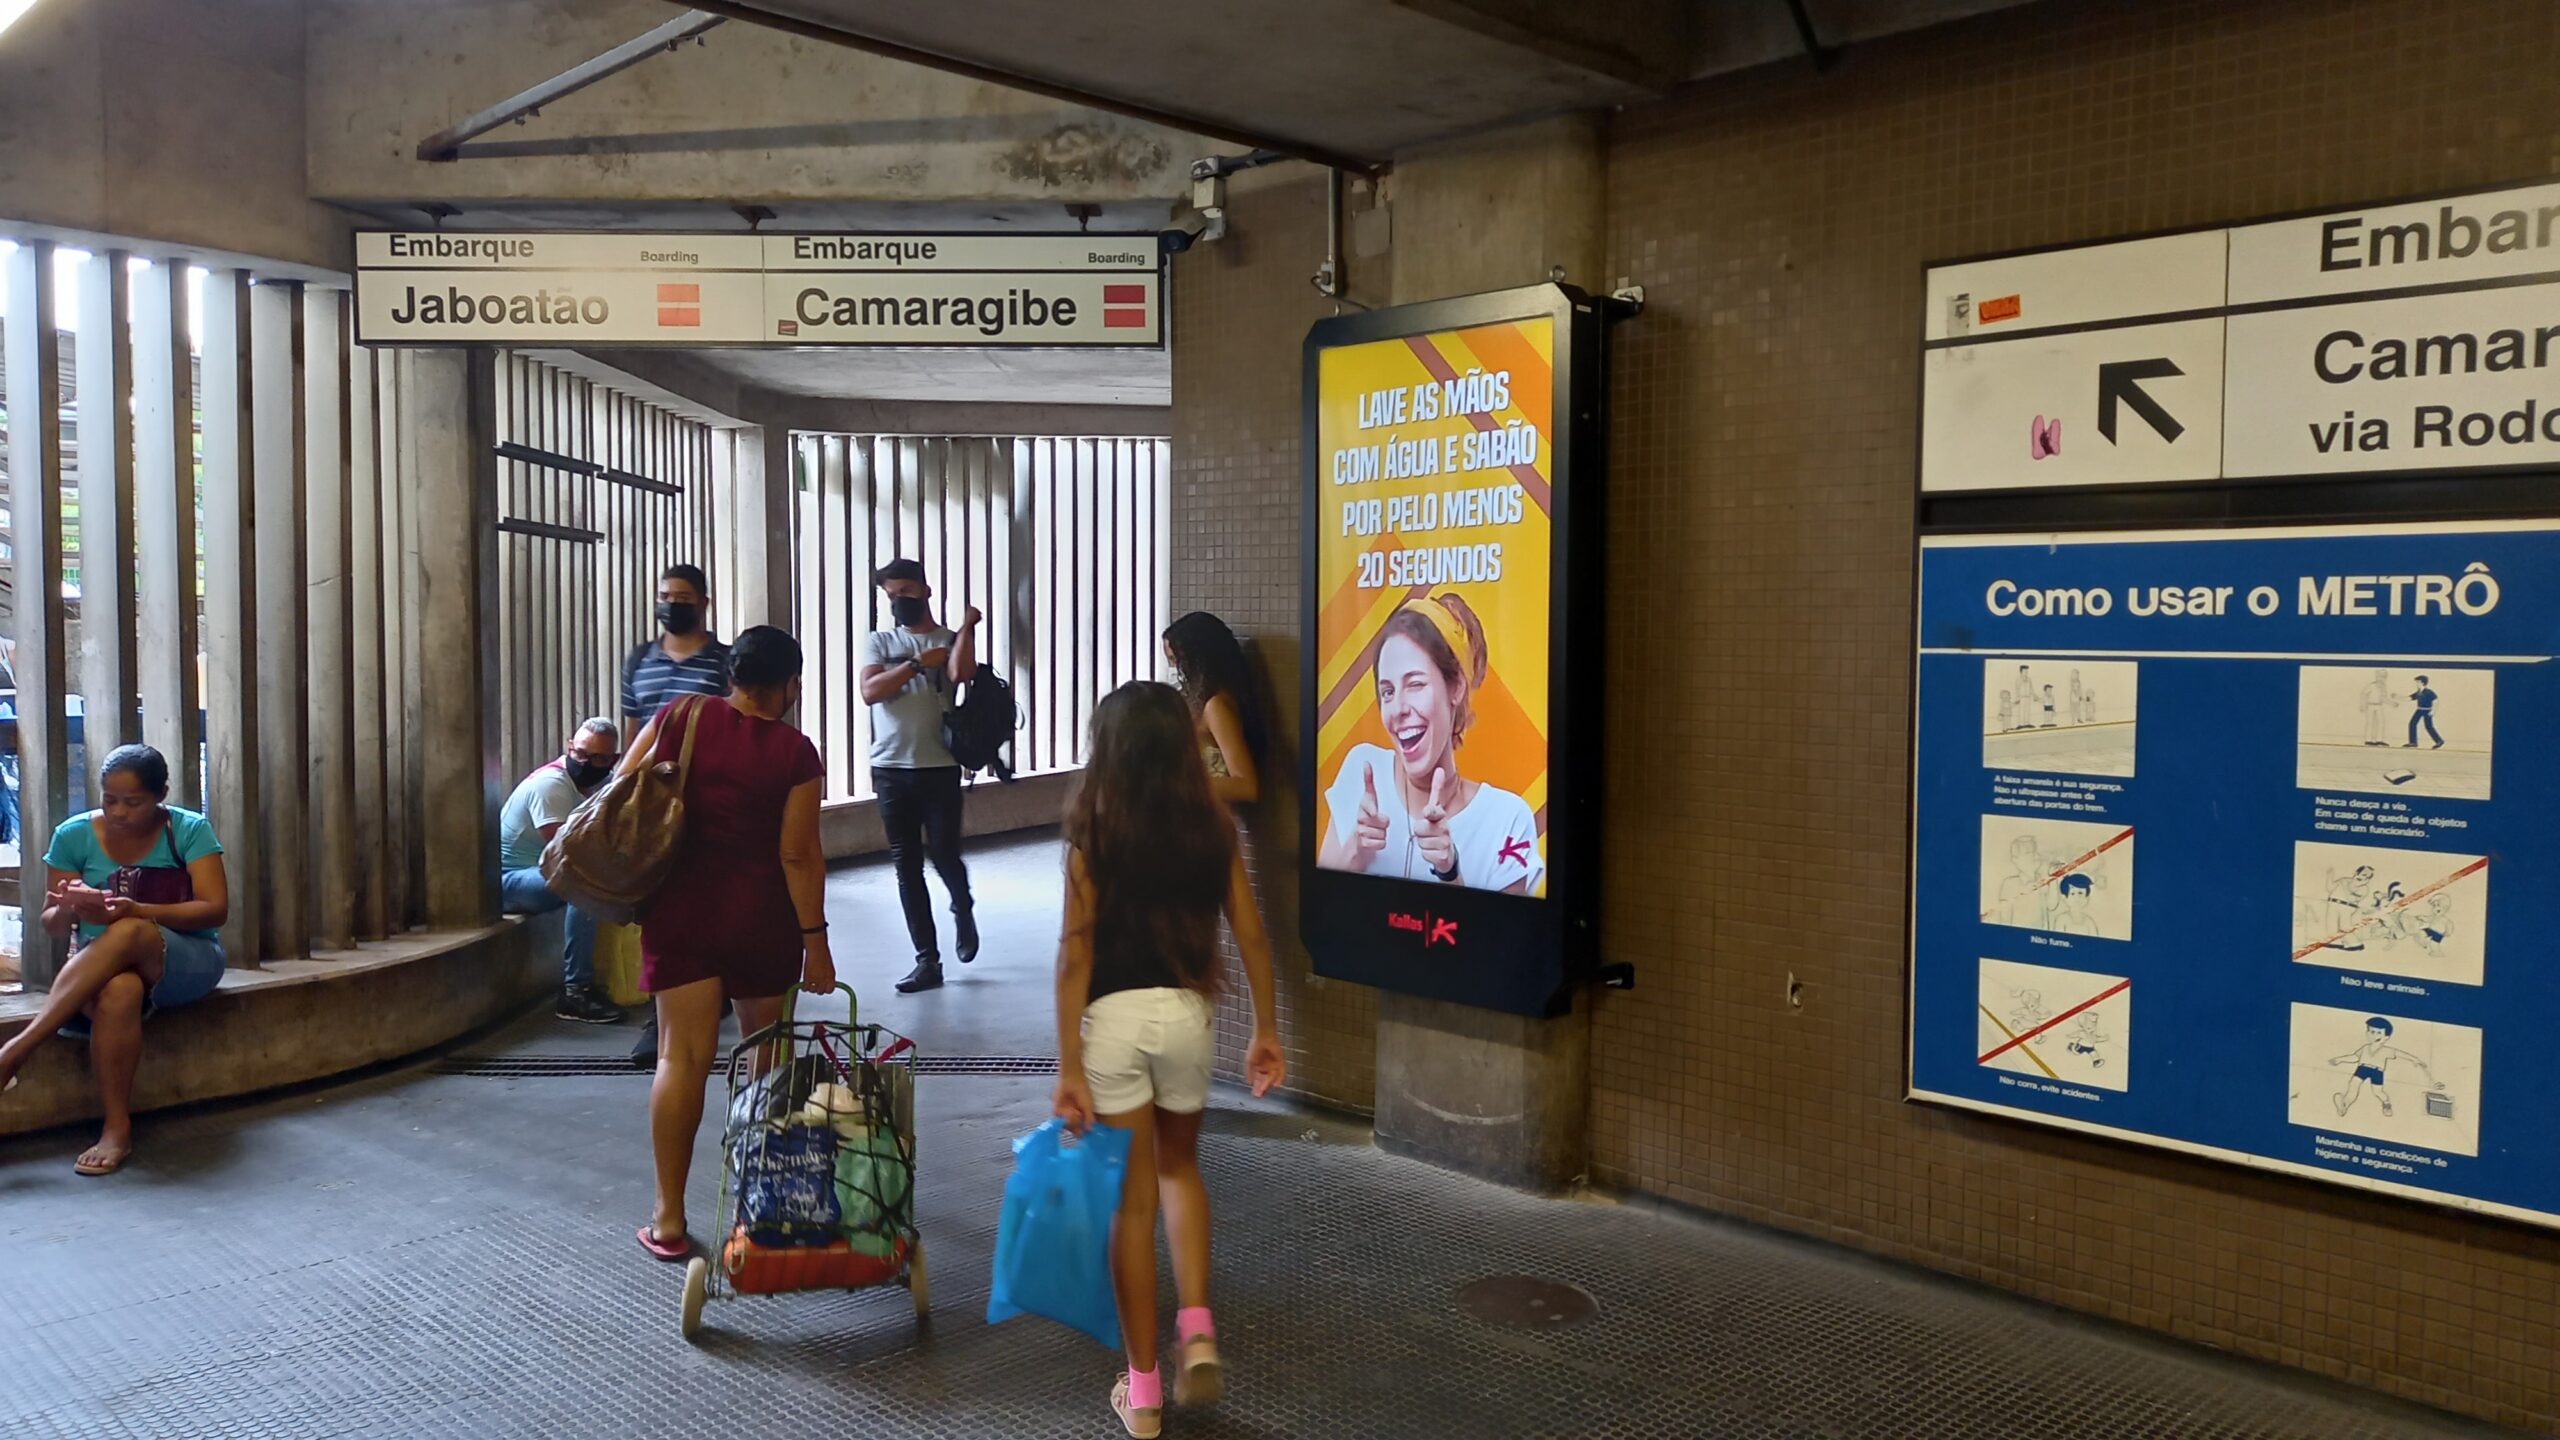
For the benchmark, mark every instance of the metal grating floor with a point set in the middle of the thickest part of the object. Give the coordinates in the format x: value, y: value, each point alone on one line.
x: 535, y: 1067
x: 431, y: 1255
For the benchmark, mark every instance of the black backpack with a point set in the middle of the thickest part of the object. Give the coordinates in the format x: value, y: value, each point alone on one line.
x: 978, y: 729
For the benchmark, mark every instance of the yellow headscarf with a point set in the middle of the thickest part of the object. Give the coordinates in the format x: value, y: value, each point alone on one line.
x: 1452, y: 634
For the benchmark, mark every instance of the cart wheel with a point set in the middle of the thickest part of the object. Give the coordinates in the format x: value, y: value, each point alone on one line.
x: 697, y: 1284
x: 915, y: 1275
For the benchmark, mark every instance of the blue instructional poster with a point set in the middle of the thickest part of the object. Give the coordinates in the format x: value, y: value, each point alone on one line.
x: 2247, y: 843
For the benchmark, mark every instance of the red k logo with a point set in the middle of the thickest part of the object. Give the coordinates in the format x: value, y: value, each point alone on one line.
x: 1515, y: 851
x: 1443, y: 932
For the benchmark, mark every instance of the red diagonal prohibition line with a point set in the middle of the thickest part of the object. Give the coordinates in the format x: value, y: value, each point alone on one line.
x: 2110, y: 843
x: 2403, y: 903
x: 2023, y: 1036
x: 2068, y: 866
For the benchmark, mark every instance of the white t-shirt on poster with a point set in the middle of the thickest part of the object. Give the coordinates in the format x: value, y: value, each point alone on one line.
x: 1496, y: 835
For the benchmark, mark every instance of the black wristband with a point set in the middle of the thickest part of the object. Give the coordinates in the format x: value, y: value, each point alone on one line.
x: 818, y: 929
x: 1446, y: 877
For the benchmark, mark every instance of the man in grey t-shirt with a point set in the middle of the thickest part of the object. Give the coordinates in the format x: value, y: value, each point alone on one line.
x: 908, y: 676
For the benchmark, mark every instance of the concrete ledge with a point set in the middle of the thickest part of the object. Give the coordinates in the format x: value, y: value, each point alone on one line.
x: 299, y: 1020
x: 853, y: 830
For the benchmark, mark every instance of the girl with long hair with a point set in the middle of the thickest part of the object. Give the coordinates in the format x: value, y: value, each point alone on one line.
x: 1152, y: 862
x: 1217, y: 682
x: 1410, y: 812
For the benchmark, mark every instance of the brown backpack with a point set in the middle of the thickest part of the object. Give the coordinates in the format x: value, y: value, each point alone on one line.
x: 615, y: 849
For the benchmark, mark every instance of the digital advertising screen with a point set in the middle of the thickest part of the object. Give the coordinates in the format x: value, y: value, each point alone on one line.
x: 1442, y: 833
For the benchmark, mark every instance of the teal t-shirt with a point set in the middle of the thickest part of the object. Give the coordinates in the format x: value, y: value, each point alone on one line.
x: 187, y: 838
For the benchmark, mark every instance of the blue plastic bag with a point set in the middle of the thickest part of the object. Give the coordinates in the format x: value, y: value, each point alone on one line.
x: 787, y: 1184
x: 1053, y: 1239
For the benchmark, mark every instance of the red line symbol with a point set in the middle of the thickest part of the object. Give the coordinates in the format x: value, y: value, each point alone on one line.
x: 2403, y: 903
x: 2023, y: 1036
x: 1124, y: 294
x: 2110, y: 843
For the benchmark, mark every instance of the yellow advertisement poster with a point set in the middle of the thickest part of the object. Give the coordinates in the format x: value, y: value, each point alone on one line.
x: 1434, y: 600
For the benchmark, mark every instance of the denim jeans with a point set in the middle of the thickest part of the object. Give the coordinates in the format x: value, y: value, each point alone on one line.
x: 524, y: 892
x: 920, y: 810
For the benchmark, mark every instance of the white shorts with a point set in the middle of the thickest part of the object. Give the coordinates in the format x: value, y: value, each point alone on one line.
x: 1148, y: 1047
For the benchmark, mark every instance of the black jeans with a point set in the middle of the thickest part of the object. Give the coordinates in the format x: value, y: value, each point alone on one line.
x: 921, y: 811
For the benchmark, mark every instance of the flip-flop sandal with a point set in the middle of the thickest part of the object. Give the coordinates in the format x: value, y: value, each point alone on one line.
x: 83, y: 1167
x: 680, y: 1248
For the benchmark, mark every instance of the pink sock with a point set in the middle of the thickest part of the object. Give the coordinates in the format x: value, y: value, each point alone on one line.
x: 1146, y: 1389
x: 1193, y: 1323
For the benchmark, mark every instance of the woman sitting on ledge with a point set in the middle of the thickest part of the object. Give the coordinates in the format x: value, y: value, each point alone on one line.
x: 143, y: 882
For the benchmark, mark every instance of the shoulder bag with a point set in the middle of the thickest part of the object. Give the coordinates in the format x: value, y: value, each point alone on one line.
x: 615, y: 849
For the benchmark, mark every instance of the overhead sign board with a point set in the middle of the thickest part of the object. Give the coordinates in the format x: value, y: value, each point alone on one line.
x: 2410, y: 338
x: 516, y: 288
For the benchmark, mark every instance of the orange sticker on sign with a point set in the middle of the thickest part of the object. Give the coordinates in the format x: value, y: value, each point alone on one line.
x: 2004, y: 308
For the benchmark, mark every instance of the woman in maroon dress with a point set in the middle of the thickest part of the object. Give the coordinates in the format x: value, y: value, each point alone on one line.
x: 742, y: 917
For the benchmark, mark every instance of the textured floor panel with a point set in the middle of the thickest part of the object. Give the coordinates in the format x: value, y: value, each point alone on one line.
x: 431, y: 1255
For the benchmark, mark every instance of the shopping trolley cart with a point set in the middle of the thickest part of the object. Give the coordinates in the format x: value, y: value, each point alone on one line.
x: 817, y: 1173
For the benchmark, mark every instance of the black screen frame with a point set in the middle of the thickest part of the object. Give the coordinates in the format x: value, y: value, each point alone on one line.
x: 1522, y: 955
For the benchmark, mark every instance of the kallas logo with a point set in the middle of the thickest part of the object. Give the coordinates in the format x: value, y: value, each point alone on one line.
x: 1434, y: 929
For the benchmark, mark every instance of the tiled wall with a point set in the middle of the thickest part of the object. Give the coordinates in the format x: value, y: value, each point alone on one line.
x: 1760, y: 631
x: 1759, y: 628
x: 1240, y: 308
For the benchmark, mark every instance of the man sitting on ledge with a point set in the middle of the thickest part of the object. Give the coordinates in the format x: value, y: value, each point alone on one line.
x: 142, y: 880
x: 532, y: 813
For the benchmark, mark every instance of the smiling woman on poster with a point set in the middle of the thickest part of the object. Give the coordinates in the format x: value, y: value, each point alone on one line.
x: 1409, y: 812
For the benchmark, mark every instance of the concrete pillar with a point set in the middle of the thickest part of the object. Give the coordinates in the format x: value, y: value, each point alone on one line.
x: 35, y: 496
x: 283, y: 656
x: 368, y: 725
x: 410, y: 585
x: 451, y: 414
x: 165, y: 527
x: 764, y: 559
x: 1495, y: 1095
x: 107, y: 659
x: 329, y: 772
x: 232, y: 711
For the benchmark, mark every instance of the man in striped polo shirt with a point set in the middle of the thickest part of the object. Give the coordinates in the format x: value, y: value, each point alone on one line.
x: 685, y: 659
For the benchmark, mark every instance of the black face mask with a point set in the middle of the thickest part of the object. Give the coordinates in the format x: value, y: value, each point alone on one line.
x: 678, y: 617
x: 909, y: 609
x: 583, y: 773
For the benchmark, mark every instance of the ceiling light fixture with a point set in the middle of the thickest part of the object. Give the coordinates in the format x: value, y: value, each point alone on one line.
x: 11, y: 10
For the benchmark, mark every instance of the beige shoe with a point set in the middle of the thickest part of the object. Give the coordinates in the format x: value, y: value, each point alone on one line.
x: 1141, y: 1424
x: 1200, y: 1380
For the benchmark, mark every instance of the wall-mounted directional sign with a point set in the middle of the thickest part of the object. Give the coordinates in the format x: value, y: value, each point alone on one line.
x: 2421, y: 337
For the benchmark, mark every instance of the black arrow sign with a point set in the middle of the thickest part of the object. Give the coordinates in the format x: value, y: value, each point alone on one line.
x: 2122, y: 381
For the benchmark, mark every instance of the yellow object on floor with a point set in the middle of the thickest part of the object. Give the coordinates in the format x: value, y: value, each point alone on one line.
x: 618, y: 964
